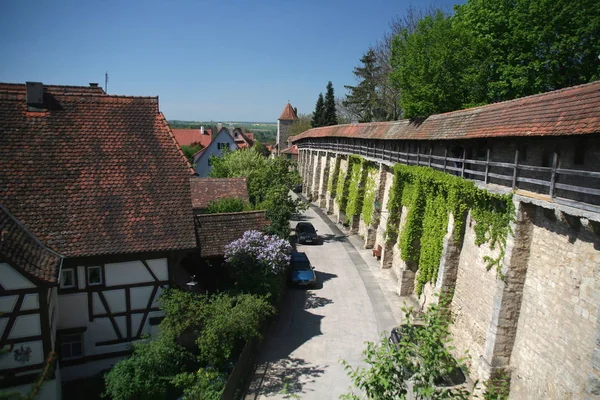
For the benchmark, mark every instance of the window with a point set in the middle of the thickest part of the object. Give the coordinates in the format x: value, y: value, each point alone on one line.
x: 94, y: 276
x: 67, y: 278
x: 71, y: 345
x: 221, y: 146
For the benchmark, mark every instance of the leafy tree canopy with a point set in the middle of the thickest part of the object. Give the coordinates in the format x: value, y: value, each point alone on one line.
x: 227, y: 205
x: 492, y: 51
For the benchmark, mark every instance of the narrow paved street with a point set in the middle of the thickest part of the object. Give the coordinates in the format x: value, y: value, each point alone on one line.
x: 300, y: 357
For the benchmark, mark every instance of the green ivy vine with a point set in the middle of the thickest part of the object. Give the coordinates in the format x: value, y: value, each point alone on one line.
x: 333, y: 179
x: 343, y: 185
x: 368, y: 205
x: 430, y: 196
x: 355, y: 190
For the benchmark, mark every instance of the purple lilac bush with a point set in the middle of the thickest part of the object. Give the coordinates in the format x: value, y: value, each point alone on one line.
x: 256, y: 251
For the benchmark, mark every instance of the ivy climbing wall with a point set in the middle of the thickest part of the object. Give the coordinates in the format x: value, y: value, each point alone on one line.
x: 524, y: 274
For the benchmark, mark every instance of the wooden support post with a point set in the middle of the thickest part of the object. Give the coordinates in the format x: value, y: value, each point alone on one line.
x: 445, y: 158
x: 487, y: 167
x: 464, y: 157
x: 553, y: 176
x: 516, y: 168
x: 418, y: 152
x: 430, y: 153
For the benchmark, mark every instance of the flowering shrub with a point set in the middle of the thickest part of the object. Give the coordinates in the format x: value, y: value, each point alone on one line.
x: 258, y: 252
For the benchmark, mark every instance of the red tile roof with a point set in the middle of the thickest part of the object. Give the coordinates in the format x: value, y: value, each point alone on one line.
x: 186, y: 137
x: 23, y: 251
x: 95, y: 174
x: 288, y: 113
x: 570, y: 111
x: 290, y: 150
x: 204, y: 190
x: 218, y: 230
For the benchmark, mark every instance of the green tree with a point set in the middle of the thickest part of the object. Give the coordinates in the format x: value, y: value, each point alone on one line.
x: 226, y: 205
x: 261, y: 148
x: 190, y: 150
x: 149, y: 372
x: 302, y: 124
x: 422, y: 356
x: 526, y: 47
x: 318, y: 117
x: 363, y: 101
x: 269, y: 182
x: 329, y: 112
x: 428, y: 66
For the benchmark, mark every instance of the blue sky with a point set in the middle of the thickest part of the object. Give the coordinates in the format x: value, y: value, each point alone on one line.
x: 206, y: 60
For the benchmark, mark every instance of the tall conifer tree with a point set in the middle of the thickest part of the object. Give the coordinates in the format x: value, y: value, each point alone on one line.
x: 318, y: 115
x: 329, y: 115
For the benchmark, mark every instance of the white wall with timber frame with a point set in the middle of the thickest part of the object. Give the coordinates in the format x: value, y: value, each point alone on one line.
x: 28, y: 313
x: 109, y: 309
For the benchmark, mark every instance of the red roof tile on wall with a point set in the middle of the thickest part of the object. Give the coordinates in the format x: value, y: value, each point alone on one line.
x: 95, y: 174
x: 186, y: 137
x: 205, y: 190
x: 570, y: 111
x: 218, y: 230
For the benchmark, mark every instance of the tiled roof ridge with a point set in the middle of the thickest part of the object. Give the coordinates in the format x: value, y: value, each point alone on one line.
x: 165, y: 123
x: 27, y: 231
x: 518, y: 106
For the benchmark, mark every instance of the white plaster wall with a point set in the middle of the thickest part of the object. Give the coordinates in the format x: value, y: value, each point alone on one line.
x: 140, y: 297
x: 31, y: 302
x: 26, y: 325
x: 100, y: 330
x: 10, y: 279
x: 115, y: 300
x: 36, y: 356
x: 7, y: 303
x: 81, y: 283
x: 72, y: 310
x: 160, y: 268
x: 126, y: 273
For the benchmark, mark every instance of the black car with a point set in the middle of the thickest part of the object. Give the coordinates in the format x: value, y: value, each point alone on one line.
x: 306, y: 233
x: 298, y: 188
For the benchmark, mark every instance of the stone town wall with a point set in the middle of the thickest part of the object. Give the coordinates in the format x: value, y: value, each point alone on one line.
x: 473, y: 301
x: 541, y: 323
x: 342, y: 174
x: 385, y: 214
x: 558, y: 325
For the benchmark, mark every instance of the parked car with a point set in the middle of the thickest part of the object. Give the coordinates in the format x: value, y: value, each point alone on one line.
x: 302, y: 272
x: 306, y: 233
x: 298, y: 188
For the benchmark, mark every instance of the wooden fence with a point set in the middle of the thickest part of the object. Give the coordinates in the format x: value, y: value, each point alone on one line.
x: 510, y: 175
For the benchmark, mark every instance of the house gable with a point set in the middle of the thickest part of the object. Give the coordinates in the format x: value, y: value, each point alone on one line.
x: 202, y: 158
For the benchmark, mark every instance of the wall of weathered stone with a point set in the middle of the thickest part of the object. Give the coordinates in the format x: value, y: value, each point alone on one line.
x: 473, y: 301
x: 342, y: 175
x: 541, y: 322
x: 556, y: 334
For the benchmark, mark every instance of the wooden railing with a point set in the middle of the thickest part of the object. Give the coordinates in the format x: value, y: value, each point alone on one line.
x: 512, y: 175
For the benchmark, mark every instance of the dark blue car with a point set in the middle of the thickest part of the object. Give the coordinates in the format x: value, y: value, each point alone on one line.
x: 302, y: 272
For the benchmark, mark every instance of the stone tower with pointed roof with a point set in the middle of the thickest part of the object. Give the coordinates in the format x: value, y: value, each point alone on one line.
x: 284, y: 123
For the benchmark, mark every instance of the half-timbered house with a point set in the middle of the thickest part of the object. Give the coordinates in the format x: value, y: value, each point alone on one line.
x: 95, y: 219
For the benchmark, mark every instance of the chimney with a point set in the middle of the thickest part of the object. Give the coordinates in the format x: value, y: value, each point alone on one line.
x: 93, y: 84
x: 35, y: 96
x: 219, y: 127
x: 201, y: 129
